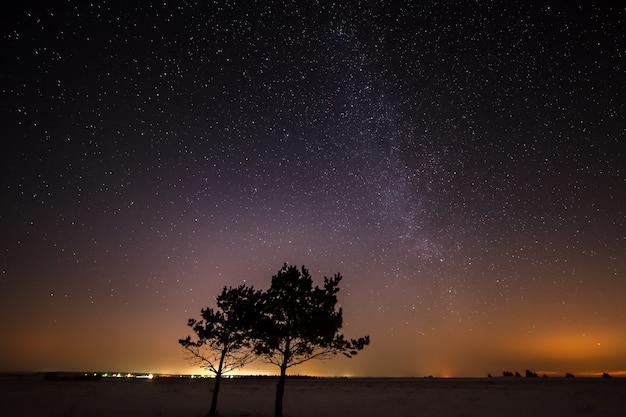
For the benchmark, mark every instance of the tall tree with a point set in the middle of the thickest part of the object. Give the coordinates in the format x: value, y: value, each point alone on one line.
x: 299, y: 322
x: 222, y: 337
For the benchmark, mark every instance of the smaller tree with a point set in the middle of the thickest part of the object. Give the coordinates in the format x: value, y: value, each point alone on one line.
x: 222, y: 342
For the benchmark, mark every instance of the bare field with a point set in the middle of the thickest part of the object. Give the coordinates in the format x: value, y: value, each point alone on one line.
x: 398, y: 397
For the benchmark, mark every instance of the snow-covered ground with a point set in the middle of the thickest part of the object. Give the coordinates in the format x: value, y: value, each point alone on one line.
x: 316, y: 397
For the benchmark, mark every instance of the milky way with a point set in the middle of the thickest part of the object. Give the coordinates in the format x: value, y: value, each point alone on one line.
x: 461, y: 166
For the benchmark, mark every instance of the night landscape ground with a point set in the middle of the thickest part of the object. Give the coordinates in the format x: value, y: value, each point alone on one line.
x: 35, y: 396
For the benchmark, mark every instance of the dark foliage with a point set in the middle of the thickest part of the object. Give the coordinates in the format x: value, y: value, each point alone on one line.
x: 531, y: 374
x: 223, y: 335
x: 300, y: 322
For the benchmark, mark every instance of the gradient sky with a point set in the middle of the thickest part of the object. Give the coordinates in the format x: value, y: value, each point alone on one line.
x: 463, y: 167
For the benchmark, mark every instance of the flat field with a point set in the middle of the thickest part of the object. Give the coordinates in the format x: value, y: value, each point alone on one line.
x: 304, y: 397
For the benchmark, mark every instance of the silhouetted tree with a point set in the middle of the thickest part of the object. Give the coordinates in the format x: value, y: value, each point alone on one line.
x: 569, y: 375
x: 517, y: 375
x: 300, y: 322
x: 507, y: 373
x: 605, y: 375
x: 531, y: 374
x: 222, y: 341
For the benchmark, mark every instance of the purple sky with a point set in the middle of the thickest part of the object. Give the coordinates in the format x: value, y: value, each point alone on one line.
x: 462, y: 167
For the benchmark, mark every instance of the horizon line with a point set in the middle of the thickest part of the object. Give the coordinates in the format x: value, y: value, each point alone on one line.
x: 150, y: 375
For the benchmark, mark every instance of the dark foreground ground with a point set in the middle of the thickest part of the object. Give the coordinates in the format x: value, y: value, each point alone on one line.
x: 403, y: 397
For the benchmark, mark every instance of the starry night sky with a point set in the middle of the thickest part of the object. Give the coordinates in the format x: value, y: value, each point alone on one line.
x: 463, y: 167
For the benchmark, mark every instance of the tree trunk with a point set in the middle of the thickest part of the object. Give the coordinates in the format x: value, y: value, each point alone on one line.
x: 216, y: 391
x: 216, y: 386
x: 280, y: 391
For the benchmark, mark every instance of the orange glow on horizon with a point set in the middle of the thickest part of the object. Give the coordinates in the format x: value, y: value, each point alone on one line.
x: 568, y: 346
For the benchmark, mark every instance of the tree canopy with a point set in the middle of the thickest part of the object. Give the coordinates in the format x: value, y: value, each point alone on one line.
x: 290, y: 323
x: 299, y: 322
x: 223, y: 335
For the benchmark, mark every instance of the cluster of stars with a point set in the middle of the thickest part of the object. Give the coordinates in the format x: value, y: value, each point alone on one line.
x: 453, y: 162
